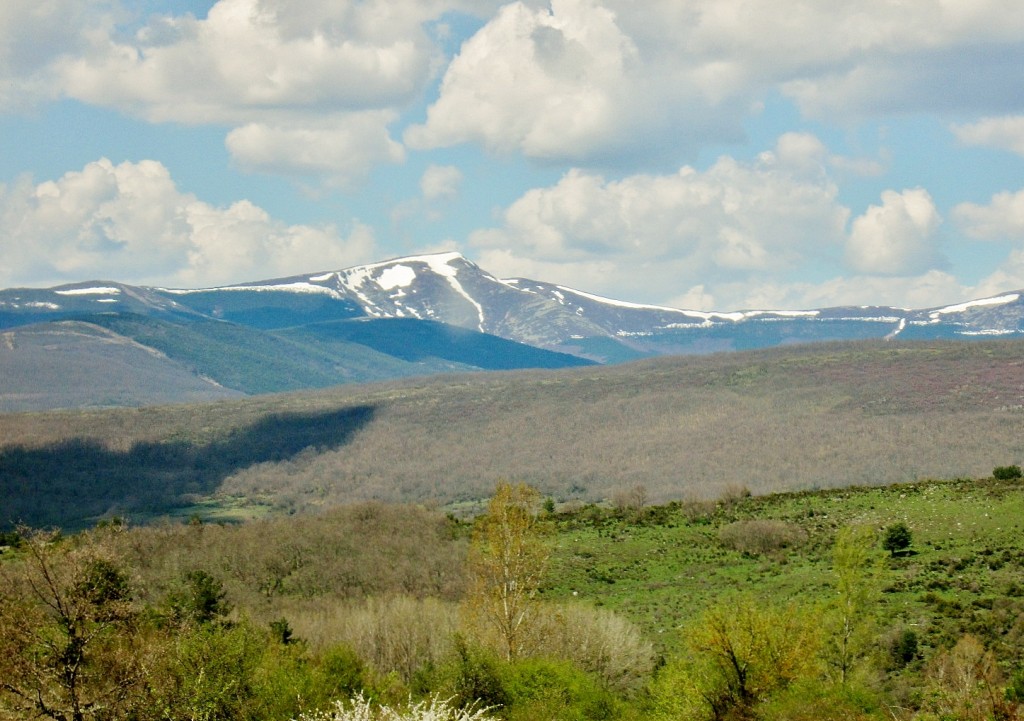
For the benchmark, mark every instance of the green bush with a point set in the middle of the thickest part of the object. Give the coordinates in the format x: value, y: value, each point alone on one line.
x: 1007, y: 473
x: 540, y: 688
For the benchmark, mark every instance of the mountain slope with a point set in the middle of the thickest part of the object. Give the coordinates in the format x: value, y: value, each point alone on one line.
x: 78, y: 364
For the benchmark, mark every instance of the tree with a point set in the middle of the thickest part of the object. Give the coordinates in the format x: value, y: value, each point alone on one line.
x: 69, y: 650
x: 856, y: 567
x: 897, y: 538
x: 507, y: 562
x: 739, y: 656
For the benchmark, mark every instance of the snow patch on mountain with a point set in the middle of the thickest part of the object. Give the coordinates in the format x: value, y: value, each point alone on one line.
x: 961, y: 307
x: 89, y: 291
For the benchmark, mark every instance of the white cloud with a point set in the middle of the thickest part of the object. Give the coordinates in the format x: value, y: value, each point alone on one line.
x: 1001, y: 219
x: 129, y: 222
x: 341, y: 149
x: 35, y: 35
x: 589, y: 81
x: 645, y: 237
x: 896, y: 237
x: 440, y: 182
x: 1009, y: 276
x: 1005, y: 133
x: 250, y: 56
x: 551, y: 84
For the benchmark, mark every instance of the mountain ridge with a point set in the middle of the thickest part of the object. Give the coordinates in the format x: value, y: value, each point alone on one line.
x: 295, y: 332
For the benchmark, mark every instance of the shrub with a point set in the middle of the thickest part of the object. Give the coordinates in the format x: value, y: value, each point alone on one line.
x: 541, y: 689
x: 904, y: 647
x: 761, y: 536
x: 361, y: 709
x: 599, y: 641
x: 1007, y: 473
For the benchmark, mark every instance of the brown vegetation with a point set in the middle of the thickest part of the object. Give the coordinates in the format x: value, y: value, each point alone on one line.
x: 693, y: 427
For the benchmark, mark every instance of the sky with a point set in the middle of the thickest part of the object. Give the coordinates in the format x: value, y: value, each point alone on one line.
x: 701, y: 154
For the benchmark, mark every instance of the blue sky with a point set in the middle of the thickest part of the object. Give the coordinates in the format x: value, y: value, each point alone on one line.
x: 707, y: 154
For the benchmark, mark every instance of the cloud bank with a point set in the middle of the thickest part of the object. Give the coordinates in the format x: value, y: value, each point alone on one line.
x: 130, y: 221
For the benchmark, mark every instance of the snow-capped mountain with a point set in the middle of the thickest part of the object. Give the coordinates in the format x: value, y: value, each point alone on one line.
x: 450, y: 289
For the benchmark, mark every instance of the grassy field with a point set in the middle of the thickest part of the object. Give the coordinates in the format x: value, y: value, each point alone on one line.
x: 663, y: 566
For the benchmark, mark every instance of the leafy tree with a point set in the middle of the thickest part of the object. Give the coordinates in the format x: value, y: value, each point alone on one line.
x: 507, y: 561
x: 201, y: 600
x: 856, y: 569
x: 897, y: 538
x: 738, y: 656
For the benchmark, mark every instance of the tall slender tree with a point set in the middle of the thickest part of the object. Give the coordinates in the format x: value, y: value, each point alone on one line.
x: 507, y: 562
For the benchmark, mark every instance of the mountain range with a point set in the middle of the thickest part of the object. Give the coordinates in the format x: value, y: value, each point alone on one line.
x: 103, y: 343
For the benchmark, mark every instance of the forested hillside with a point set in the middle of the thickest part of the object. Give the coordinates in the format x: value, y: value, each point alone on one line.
x: 795, y: 418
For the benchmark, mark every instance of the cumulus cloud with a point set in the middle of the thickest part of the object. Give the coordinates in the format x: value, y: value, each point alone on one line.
x: 440, y: 182
x: 586, y: 81
x: 647, y: 237
x: 896, y: 237
x: 926, y: 290
x: 34, y: 36
x: 130, y: 222
x: 248, y: 56
x: 1001, y: 219
x: 1004, y: 133
x: 595, y: 82
x: 553, y: 84
x: 341, y: 149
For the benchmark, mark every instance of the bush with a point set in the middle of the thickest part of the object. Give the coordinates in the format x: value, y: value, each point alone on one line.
x: 1007, y: 473
x: 361, y: 709
x: 761, y: 536
x: 904, y: 647
x: 598, y: 641
x: 541, y: 689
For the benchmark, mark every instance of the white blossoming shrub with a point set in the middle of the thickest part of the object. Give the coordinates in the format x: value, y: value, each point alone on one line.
x: 433, y: 709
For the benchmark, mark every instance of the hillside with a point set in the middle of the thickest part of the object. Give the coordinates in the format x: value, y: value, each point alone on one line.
x: 796, y: 418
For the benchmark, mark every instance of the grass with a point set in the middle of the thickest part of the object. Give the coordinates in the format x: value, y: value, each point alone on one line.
x: 661, y: 569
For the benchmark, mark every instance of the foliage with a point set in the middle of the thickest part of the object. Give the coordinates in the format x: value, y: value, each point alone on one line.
x: 857, y: 571
x: 598, y: 641
x: 506, y: 565
x: 742, y: 653
x: 897, y: 538
x: 69, y: 650
x: 542, y: 689
x: 359, y: 708
x: 1007, y: 473
x: 965, y: 683
x: 761, y: 535
x: 200, y: 600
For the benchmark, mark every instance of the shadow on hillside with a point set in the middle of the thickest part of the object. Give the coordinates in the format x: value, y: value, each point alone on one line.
x: 68, y: 484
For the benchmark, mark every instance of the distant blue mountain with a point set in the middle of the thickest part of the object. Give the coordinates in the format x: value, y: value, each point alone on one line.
x: 415, y: 315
